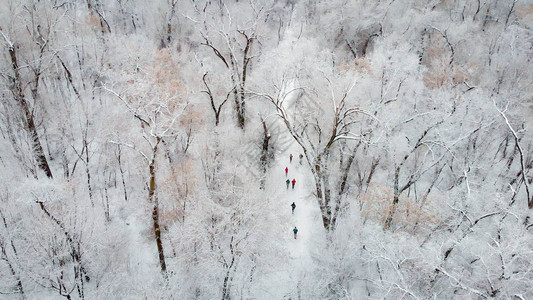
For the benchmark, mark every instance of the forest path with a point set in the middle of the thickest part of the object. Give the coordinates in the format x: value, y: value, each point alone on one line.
x: 306, y: 217
x: 303, y: 214
x: 142, y: 251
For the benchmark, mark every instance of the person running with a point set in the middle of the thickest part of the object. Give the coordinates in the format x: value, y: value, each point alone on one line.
x: 286, y: 171
x: 301, y: 157
x: 293, y: 205
x: 288, y: 182
x: 293, y: 182
x: 290, y: 158
x: 295, y: 230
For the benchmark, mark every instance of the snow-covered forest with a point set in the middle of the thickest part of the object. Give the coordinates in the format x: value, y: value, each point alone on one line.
x: 148, y: 149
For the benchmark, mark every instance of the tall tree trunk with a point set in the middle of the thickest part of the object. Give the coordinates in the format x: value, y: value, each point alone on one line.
x: 228, y: 278
x: 265, y: 153
x: 20, y: 98
x: 80, y: 273
x: 10, y: 266
x: 226, y: 287
x: 119, y: 159
x: 237, y: 93
x: 323, y: 194
x: 245, y: 64
x: 342, y: 185
x: 152, y: 198
x: 169, y: 22
x: 395, y: 200
x: 327, y: 203
x: 87, y: 171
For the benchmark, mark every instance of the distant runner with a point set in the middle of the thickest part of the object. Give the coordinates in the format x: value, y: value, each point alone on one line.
x: 301, y: 156
x: 290, y: 158
x: 288, y: 182
x: 286, y: 171
x: 295, y: 230
x: 293, y: 183
x: 293, y: 205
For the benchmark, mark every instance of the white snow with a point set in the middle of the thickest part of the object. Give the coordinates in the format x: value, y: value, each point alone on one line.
x: 283, y: 283
x: 142, y: 251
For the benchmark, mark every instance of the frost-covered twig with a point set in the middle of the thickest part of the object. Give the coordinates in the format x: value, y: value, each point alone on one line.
x: 520, y: 151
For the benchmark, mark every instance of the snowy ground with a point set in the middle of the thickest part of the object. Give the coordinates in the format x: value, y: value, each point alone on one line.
x: 283, y: 283
x: 306, y: 216
x: 142, y: 254
x: 283, y: 278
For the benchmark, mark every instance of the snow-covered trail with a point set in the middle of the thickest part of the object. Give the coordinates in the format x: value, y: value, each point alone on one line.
x: 304, y: 214
x: 306, y: 218
x: 284, y: 282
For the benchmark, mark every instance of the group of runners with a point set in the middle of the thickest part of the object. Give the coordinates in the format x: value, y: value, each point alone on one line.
x: 288, y: 182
